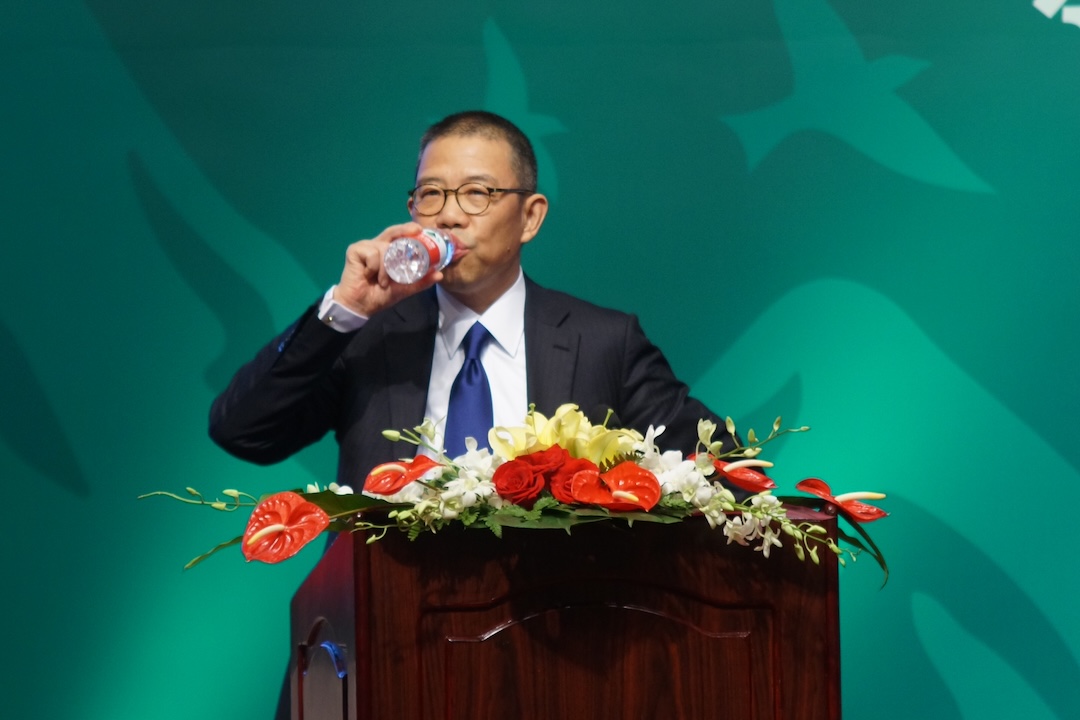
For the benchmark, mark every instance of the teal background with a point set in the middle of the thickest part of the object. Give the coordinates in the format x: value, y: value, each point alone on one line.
x: 859, y: 215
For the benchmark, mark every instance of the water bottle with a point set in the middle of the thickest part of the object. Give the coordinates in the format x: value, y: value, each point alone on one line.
x: 410, y: 258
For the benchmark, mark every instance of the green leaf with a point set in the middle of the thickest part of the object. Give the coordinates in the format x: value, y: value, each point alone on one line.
x: 870, y: 547
x: 551, y: 521
x: 494, y: 527
x: 344, y: 505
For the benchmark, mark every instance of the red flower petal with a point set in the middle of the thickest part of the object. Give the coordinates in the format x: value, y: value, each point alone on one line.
x: 280, y: 526
x: 546, y: 461
x: 561, y: 480
x: 625, y: 487
x: 632, y: 487
x: 587, y: 488
x: 745, y: 478
x: 388, y: 478
x: 518, y: 482
x: 863, y: 512
x: 818, y: 487
x: 853, y: 509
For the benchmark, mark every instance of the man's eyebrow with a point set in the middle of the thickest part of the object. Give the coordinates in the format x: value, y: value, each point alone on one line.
x: 435, y: 180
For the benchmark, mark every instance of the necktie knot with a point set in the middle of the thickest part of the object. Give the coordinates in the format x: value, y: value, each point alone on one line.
x: 474, y: 341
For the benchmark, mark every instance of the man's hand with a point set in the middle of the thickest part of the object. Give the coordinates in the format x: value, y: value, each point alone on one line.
x: 365, y: 288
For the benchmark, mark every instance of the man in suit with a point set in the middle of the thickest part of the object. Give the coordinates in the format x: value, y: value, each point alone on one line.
x: 376, y: 355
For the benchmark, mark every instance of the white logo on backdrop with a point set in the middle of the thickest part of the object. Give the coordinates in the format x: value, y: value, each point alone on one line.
x: 1069, y: 13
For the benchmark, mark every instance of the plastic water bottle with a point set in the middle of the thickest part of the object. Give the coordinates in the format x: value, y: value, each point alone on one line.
x: 410, y: 258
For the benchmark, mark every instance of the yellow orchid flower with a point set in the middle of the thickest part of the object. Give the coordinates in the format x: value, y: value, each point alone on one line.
x: 569, y: 428
x: 561, y: 429
x: 608, y: 445
x: 511, y: 442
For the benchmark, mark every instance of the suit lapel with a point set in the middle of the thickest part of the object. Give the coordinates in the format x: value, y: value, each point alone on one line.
x: 551, y: 349
x: 409, y: 340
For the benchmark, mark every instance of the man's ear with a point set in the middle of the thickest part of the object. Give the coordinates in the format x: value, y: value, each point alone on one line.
x: 534, y: 210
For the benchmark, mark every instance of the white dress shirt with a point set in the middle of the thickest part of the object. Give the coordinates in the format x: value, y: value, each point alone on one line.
x: 503, y: 358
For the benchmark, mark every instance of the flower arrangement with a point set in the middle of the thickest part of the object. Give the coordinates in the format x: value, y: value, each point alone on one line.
x: 556, y: 472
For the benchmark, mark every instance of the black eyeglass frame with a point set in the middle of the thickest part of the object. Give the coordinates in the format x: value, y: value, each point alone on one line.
x: 447, y: 191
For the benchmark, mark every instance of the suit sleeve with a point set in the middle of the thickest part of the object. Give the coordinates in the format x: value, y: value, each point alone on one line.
x: 652, y: 395
x: 286, y: 398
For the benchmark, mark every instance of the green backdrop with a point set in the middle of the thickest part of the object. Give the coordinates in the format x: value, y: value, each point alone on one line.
x: 860, y: 215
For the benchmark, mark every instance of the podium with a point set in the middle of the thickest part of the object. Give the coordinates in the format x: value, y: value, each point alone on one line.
x: 646, y: 622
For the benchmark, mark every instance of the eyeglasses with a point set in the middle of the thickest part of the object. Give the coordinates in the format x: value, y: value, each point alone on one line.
x: 472, y: 198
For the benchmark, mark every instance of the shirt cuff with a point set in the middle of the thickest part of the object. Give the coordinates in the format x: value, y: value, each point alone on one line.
x: 337, y: 316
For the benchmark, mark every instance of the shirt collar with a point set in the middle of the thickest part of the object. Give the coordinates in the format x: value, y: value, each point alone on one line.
x: 505, y: 319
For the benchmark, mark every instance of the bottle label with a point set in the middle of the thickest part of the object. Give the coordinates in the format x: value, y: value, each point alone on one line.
x: 438, y: 245
x: 432, y: 242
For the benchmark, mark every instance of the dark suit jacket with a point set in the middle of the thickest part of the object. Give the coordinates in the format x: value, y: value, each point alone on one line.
x: 313, y: 379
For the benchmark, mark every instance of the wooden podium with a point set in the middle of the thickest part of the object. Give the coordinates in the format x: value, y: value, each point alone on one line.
x: 650, y: 622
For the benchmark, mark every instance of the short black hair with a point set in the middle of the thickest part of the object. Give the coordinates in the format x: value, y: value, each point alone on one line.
x: 493, y: 127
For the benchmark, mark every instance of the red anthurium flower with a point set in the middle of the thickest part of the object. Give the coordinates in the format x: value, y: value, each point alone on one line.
x: 634, y: 485
x: 280, y: 525
x: 848, y: 503
x: 587, y: 488
x: 624, y: 488
x: 561, y: 480
x: 743, y: 477
x: 388, y: 478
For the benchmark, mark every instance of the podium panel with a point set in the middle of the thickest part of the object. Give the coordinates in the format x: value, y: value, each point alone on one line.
x: 653, y: 621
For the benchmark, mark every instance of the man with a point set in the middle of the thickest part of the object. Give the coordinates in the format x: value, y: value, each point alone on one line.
x: 376, y: 355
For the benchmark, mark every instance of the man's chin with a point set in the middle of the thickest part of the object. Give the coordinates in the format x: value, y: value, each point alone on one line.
x: 451, y: 278
x: 454, y: 282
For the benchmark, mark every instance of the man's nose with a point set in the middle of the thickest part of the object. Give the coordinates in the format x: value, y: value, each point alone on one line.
x: 451, y: 215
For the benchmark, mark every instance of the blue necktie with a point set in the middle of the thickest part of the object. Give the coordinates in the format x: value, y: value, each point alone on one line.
x: 469, y: 413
